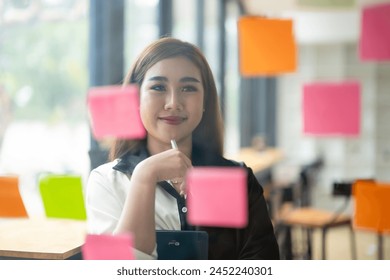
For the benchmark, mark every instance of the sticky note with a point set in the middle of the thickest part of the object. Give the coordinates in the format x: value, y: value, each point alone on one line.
x: 114, y: 112
x: 217, y: 196
x: 384, y: 198
x: 108, y: 247
x: 371, y: 205
x: 327, y: 3
x: 11, y: 202
x: 266, y: 46
x: 331, y: 109
x: 374, y: 44
x: 62, y: 196
x: 366, y: 208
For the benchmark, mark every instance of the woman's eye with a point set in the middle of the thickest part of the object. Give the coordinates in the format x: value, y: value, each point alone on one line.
x: 158, y: 87
x: 189, y: 89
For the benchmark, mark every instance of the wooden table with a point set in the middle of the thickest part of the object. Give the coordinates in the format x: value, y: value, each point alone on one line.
x: 41, y: 238
x: 259, y: 161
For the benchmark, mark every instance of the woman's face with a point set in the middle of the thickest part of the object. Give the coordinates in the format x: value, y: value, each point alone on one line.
x: 171, y: 100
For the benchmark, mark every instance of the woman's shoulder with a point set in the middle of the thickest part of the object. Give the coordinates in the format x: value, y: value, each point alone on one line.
x: 106, y: 167
x: 107, y: 177
x: 204, y: 156
x: 253, y: 183
x: 105, y: 172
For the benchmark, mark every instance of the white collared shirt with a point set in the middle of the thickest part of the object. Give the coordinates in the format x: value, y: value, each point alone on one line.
x: 106, y: 194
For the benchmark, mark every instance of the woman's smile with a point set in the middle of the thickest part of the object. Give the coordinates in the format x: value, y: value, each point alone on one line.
x: 173, y: 120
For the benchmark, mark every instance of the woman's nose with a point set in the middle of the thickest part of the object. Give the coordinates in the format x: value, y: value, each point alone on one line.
x: 173, y: 101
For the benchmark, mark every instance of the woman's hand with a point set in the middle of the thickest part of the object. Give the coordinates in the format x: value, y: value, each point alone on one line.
x: 169, y: 165
x: 139, y: 209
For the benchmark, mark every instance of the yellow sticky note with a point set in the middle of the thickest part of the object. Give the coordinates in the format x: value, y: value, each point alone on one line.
x: 326, y: 3
x: 62, y: 196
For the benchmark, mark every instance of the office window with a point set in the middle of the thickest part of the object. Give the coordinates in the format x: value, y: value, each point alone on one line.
x: 233, y: 95
x: 43, y: 82
x: 184, y: 20
x: 140, y: 27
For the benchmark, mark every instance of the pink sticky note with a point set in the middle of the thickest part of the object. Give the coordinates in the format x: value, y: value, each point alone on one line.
x: 331, y: 109
x: 217, y: 196
x: 114, y: 112
x: 375, y: 33
x: 108, y: 247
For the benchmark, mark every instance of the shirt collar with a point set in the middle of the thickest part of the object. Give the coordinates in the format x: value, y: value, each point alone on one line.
x: 201, y: 156
x: 130, y: 160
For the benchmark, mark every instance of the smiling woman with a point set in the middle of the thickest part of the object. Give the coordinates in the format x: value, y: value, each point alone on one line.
x: 135, y: 193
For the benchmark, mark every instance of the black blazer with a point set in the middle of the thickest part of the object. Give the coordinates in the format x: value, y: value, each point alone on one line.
x: 256, y: 241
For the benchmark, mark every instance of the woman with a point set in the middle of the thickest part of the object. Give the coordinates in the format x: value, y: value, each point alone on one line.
x: 139, y: 190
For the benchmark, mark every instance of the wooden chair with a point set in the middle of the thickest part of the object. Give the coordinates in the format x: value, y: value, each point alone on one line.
x: 303, y: 215
x: 372, y: 209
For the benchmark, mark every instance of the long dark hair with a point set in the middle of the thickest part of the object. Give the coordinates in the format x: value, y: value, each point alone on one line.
x: 209, y: 132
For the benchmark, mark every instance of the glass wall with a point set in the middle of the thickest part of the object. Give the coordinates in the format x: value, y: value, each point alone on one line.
x: 140, y: 27
x: 185, y: 21
x: 44, y: 79
x: 43, y: 82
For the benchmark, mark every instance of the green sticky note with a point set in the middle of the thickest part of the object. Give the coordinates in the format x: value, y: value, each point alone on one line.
x: 62, y: 196
x: 327, y: 3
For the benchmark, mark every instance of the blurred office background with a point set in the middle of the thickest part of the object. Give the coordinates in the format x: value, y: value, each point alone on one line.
x: 52, y: 51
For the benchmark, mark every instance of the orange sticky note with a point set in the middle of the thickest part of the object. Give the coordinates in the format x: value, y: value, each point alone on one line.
x: 11, y: 202
x: 384, y: 199
x: 374, y: 42
x: 266, y: 46
x: 114, y: 112
x: 371, y: 207
x: 217, y: 196
x: 108, y: 247
x: 366, y: 208
x: 331, y: 109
